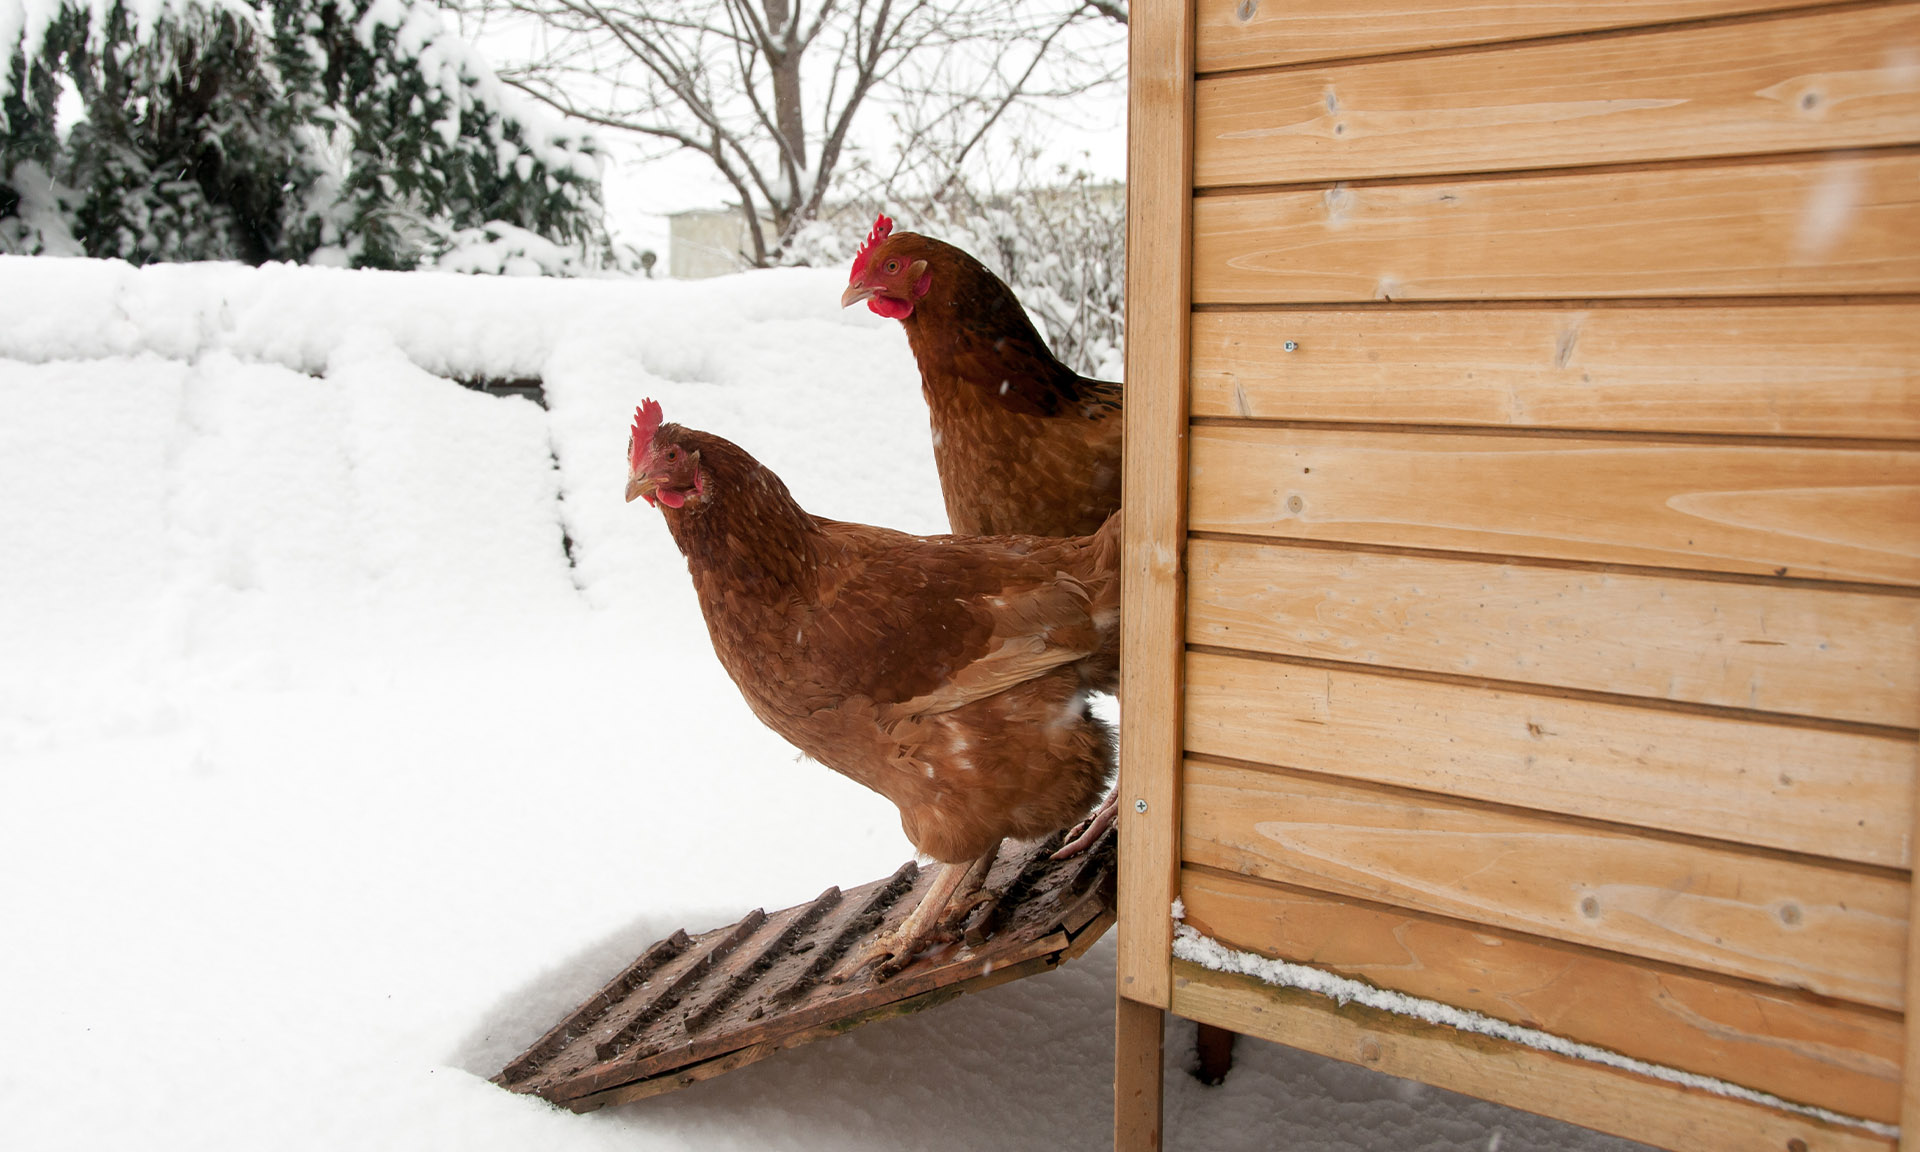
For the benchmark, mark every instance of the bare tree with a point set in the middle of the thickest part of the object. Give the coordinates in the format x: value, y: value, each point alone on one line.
x: 770, y: 91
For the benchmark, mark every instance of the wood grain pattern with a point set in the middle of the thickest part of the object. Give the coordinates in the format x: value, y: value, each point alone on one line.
x: 1789, y: 922
x: 1139, y: 1032
x: 754, y: 1053
x: 1242, y: 34
x: 1805, y: 370
x: 1793, y: 650
x: 1154, y: 490
x: 1844, y: 514
x: 1839, y: 224
x: 1838, y: 795
x: 1692, y: 255
x: 1910, y: 1080
x: 1813, y: 1052
x: 1590, y: 1094
x: 1817, y: 81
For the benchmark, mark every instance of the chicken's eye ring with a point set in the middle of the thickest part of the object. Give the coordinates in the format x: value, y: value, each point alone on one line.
x: 893, y: 266
x: 671, y: 455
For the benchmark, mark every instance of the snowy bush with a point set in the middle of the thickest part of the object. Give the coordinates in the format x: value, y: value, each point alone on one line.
x: 352, y: 132
x: 501, y: 249
x: 32, y: 213
x: 1064, y: 252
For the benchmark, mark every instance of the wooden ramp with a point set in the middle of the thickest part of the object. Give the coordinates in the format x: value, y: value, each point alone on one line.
x: 692, y: 1007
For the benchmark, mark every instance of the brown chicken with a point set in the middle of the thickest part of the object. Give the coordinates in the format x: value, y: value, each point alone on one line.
x: 1023, y: 443
x: 950, y: 674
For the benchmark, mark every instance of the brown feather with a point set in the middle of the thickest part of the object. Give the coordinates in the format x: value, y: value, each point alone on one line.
x: 1022, y: 442
x: 947, y: 673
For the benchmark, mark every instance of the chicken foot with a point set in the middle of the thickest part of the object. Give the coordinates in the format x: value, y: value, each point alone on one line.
x: 969, y: 895
x: 976, y: 902
x: 954, y: 894
x: 1082, y: 835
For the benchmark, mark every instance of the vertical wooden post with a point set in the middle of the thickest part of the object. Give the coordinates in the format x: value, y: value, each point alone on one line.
x: 1910, y: 1072
x: 1154, y: 489
x: 1154, y: 497
x: 1138, y: 1040
x: 1213, y: 1052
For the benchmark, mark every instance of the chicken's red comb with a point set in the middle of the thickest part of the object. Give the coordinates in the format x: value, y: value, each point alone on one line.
x: 646, y: 421
x: 882, y: 228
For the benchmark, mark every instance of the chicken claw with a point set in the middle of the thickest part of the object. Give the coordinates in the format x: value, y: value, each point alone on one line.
x: 954, y: 895
x: 893, y: 951
x: 1083, y: 834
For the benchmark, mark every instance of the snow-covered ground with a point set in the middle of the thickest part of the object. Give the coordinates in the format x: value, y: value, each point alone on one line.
x: 328, y: 782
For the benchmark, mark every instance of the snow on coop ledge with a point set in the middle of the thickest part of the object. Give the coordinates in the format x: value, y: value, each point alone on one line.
x: 1191, y: 945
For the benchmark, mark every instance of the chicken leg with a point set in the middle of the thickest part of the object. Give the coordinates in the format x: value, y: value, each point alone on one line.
x: 894, y: 950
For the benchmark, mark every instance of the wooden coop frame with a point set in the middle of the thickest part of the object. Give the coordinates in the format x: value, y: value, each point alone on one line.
x: 1522, y: 546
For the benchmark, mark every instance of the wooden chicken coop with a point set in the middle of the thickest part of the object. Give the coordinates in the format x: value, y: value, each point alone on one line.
x: 1523, y: 549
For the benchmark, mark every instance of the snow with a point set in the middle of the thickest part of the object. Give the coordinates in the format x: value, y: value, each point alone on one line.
x: 25, y: 22
x: 330, y: 782
x: 1191, y: 945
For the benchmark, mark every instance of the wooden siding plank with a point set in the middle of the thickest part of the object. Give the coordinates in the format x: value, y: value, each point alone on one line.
x: 1819, y: 81
x: 1838, y: 795
x: 1836, y: 224
x: 1794, y: 650
x: 1249, y: 34
x: 1844, y: 514
x: 1789, y: 922
x: 1593, y: 1095
x: 1796, y: 370
x: 1160, y: 121
x: 1809, y: 1051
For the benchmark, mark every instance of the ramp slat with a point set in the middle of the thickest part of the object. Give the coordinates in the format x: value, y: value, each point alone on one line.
x: 692, y: 1007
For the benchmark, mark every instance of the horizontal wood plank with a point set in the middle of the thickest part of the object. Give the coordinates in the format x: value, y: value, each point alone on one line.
x: 1830, y: 225
x: 1810, y: 81
x: 1794, y: 650
x: 1253, y: 34
x: 1581, y: 1092
x: 1788, y: 922
x: 1807, y: 370
x: 1838, y: 795
x: 1839, y: 513
x: 1812, y: 1052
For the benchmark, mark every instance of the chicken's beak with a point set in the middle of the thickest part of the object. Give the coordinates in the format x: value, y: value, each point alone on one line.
x: 641, y: 486
x: 854, y: 294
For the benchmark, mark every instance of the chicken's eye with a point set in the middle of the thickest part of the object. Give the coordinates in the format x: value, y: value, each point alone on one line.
x: 672, y: 454
x: 893, y: 266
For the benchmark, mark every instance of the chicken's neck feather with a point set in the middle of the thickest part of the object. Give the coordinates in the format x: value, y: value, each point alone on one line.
x: 748, y: 530
x: 978, y: 350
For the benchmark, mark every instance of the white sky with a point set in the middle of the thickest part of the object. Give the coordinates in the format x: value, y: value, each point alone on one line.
x: 639, y: 195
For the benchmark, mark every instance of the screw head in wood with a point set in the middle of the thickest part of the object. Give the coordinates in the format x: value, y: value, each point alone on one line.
x: 1139, y: 805
x: 1291, y: 346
